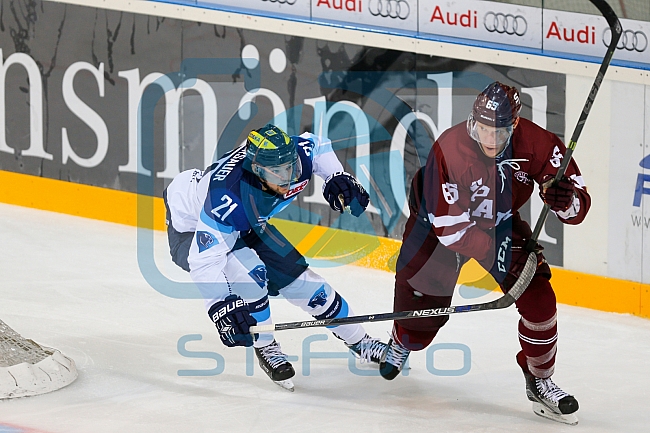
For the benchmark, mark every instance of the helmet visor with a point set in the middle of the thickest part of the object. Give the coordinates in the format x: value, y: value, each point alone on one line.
x: 281, y: 175
x: 486, y: 134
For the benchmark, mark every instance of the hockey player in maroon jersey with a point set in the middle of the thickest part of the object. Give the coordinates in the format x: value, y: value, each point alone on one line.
x: 465, y: 204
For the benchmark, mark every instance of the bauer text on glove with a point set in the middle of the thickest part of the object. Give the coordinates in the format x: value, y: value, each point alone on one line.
x: 233, y: 321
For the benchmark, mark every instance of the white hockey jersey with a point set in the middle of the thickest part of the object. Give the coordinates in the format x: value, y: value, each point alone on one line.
x: 224, y: 200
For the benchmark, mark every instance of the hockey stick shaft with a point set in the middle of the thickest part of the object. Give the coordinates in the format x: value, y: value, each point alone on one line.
x: 531, y: 263
x: 503, y: 302
x: 615, y: 26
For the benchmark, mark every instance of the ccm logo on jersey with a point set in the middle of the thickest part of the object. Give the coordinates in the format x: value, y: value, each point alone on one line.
x: 296, y: 189
x: 227, y: 309
x: 501, y: 256
x: 433, y: 312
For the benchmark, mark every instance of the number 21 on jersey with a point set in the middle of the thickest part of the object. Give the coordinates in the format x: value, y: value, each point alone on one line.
x: 226, y: 208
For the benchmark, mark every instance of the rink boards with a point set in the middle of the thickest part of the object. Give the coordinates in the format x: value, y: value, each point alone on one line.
x: 316, y: 242
x: 82, y: 127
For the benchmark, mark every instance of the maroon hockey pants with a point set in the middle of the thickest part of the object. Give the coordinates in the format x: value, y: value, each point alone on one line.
x: 537, y: 325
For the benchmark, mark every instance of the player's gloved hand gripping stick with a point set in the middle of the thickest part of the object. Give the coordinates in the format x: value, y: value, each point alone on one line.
x: 531, y: 263
x: 344, y: 193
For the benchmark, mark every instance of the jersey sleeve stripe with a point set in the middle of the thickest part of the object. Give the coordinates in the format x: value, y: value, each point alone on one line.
x: 211, y: 222
x: 455, y: 237
x: 579, y: 181
x: 450, y: 220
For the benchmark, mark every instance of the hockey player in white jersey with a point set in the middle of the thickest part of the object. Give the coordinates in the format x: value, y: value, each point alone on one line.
x: 218, y: 231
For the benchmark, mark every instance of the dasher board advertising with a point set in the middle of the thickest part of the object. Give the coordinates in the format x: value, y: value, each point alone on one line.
x: 536, y: 28
x: 628, y: 228
x: 392, y: 14
x: 483, y: 21
x: 299, y: 8
x: 590, y: 35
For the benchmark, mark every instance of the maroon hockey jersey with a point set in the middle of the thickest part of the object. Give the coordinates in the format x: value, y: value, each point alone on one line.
x: 468, y: 194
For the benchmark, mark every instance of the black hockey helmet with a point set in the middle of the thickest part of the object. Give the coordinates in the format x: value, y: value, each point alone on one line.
x: 271, y: 155
x: 497, y: 107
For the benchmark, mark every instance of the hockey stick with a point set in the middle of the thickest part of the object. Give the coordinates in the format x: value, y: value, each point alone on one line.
x: 615, y: 26
x: 503, y: 302
x: 530, y: 267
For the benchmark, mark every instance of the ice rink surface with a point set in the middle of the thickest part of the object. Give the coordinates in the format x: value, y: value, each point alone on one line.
x: 151, y: 363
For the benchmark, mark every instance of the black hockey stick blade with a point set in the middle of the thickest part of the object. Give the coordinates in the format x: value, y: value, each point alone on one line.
x: 503, y: 302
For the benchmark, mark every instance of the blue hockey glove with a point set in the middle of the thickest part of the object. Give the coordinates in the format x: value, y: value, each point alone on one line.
x: 342, y: 189
x: 233, y: 321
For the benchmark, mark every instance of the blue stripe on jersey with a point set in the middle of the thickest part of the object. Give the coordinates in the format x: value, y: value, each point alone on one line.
x: 260, y: 309
x: 343, y: 312
x: 280, y: 207
x: 210, y: 222
x: 344, y: 309
x: 263, y: 315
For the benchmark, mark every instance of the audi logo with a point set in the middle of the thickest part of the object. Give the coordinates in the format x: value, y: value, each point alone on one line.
x: 630, y: 40
x: 288, y: 2
x: 389, y: 8
x: 505, y: 23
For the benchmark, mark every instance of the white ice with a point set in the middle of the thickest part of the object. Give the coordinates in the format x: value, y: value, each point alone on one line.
x: 75, y: 284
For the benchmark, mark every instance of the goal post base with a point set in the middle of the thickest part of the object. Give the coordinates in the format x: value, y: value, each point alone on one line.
x: 24, y: 379
x: 27, y: 368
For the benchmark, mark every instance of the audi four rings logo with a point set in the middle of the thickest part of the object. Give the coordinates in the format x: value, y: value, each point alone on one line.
x: 505, y: 23
x: 389, y: 8
x: 630, y: 40
x: 288, y: 2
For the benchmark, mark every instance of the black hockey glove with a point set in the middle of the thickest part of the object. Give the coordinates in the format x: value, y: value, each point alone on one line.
x: 520, y: 256
x: 233, y: 321
x: 558, y: 196
x: 510, y: 255
x: 342, y: 189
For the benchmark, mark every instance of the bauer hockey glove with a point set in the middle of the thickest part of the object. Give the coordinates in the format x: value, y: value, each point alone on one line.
x: 233, y: 321
x: 558, y: 196
x: 342, y: 189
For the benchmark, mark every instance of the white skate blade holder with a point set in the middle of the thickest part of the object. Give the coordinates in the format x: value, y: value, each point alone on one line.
x: 285, y: 384
x: 545, y: 412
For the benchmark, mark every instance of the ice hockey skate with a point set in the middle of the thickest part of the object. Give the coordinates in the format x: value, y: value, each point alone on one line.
x: 393, y: 360
x: 368, y: 349
x: 549, y: 401
x: 275, y: 365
